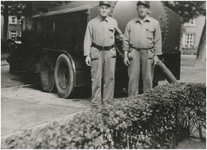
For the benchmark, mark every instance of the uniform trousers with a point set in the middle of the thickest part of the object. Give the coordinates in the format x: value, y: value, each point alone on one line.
x: 141, y: 64
x: 102, y: 75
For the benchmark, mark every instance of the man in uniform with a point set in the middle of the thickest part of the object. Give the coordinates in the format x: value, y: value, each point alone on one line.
x: 101, y: 54
x: 142, y: 44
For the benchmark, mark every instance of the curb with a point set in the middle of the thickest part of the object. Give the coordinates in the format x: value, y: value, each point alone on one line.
x: 19, y: 86
x: 193, y: 67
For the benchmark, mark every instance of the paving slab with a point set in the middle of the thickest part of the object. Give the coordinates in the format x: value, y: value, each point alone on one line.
x: 22, y: 107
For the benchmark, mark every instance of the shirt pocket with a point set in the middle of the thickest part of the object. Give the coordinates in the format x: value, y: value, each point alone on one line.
x: 113, y: 52
x: 111, y: 32
x: 150, y: 33
x: 94, y: 53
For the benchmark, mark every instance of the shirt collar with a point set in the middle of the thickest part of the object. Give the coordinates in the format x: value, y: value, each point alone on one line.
x: 100, y: 18
x: 146, y: 19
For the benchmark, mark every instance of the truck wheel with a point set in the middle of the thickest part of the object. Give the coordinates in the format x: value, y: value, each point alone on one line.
x: 64, y: 76
x: 47, y: 75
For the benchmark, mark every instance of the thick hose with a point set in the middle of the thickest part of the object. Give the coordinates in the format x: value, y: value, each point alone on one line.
x: 166, y: 73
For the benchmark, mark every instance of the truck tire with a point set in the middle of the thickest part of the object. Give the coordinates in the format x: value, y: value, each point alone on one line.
x: 47, y: 75
x: 64, y: 76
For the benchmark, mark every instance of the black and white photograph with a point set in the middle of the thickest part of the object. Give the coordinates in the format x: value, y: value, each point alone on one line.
x: 103, y: 74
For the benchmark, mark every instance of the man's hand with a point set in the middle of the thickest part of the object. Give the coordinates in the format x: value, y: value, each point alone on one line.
x: 126, y: 61
x: 156, y: 60
x: 88, y: 60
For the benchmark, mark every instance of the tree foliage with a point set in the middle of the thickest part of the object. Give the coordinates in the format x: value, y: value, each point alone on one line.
x: 14, y: 7
x: 22, y: 8
x: 187, y: 9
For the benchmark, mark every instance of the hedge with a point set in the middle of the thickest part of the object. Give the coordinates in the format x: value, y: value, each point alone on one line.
x: 151, y: 120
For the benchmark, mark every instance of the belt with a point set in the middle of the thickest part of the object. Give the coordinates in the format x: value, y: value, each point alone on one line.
x: 139, y: 49
x: 104, y: 48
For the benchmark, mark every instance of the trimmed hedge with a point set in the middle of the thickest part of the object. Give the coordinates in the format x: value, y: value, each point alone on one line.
x: 150, y: 120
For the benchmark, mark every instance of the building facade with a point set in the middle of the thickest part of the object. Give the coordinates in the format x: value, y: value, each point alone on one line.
x: 14, y: 27
x: 14, y: 24
x: 192, y: 34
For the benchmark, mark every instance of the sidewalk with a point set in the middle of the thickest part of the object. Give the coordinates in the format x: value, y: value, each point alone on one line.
x: 44, y: 123
x: 20, y: 111
x: 190, y: 61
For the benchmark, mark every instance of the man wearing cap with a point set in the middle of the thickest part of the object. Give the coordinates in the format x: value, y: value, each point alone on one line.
x: 142, y: 45
x: 100, y: 53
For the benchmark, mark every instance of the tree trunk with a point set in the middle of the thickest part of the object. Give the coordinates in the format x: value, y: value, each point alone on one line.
x: 201, y: 54
x: 5, y: 25
x: 29, y: 8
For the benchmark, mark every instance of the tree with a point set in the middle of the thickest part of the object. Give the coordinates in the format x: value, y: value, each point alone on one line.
x: 202, y: 46
x: 16, y: 8
x: 189, y: 10
x: 5, y: 14
x: 22, y: 8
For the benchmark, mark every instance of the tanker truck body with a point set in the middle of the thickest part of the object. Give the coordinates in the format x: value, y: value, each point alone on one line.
x: 52, y: 44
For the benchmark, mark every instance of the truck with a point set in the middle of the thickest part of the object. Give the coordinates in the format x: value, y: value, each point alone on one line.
x: 52, y: 45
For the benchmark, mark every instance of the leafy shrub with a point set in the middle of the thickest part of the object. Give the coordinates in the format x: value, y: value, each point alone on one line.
x: 150, y: 120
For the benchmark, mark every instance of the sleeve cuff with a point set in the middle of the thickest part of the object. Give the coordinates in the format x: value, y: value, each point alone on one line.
x: 86, y: 54
x: 126, y: 48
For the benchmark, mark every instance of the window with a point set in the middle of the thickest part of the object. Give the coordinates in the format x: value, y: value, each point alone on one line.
x: 189, y: 40
x: 13, y: 20
x: 12, y: 35
x: 191, y: 22
x: 46, y: 28
x: 66, y: 32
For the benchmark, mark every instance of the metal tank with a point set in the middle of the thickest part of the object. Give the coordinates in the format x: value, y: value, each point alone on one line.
x: 52, y: 44
x: 170, y: 23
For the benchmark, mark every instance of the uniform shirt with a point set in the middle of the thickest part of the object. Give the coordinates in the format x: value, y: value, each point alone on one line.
x: 101, y: 32
x: 144, y: 34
